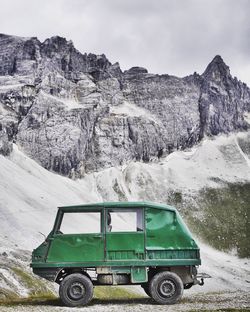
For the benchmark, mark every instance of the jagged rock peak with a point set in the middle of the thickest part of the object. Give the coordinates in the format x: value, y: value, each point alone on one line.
x: 56, y: 44
x: 27, y: 56
x: 217, y: 67
x: 218, y: 59
x: 57, y: 41
x: 136, y: 70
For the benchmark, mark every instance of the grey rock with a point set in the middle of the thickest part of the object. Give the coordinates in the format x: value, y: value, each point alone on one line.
x: 75, y: 113
x: 222, y: 101
x: 5, y: 144
x: 136, y: 71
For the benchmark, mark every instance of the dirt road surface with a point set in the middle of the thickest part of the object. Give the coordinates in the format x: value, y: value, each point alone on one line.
x: 190, y: 302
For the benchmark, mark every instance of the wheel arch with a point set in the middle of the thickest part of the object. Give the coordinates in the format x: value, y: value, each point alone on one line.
x: 68, y: 271
x: 186, y: 273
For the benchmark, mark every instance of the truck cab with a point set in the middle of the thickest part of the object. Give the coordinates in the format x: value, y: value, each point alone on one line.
x: 118, y: 243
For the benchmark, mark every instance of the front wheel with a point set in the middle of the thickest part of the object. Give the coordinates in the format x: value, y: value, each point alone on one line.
x: 76, y: 289
x: 166, y: 288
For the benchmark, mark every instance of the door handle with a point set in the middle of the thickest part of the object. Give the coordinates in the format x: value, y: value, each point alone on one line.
x: 97, y: 236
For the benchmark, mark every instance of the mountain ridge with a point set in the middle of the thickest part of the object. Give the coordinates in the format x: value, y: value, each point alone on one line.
x: 76, y: 113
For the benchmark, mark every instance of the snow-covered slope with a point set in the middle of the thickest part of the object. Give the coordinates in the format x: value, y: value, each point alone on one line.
x: 29, y: 196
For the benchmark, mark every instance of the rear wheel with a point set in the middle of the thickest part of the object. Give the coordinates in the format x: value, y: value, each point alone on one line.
x: 76, y: 289
x: 166, y: 288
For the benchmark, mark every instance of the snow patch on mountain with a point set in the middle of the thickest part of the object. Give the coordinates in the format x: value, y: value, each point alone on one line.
x: 67, y: 103
x: 132, y: 110
x: 247, y: 117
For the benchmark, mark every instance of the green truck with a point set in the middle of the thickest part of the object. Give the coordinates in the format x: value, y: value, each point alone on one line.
x: 119, y: 243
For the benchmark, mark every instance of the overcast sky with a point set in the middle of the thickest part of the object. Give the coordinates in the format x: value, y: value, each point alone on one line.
x: 166, y: 36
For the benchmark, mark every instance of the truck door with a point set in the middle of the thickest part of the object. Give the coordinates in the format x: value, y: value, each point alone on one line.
x: 78, y: 238
x: 124, y: 234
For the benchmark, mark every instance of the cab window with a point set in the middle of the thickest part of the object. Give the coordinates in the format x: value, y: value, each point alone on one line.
x: 80, y: 222
x: 124, y: 220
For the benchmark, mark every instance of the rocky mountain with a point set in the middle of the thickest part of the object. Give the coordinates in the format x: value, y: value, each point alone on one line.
x: 75, y: 113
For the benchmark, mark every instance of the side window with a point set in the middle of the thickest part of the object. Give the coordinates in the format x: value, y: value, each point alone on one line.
x: 80, y: 222
x: 124, y: 220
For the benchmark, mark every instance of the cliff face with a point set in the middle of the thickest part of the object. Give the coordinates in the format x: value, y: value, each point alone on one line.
x: 74, y: 113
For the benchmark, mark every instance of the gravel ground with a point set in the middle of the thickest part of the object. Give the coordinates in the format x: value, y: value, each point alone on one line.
x: 190, y: 302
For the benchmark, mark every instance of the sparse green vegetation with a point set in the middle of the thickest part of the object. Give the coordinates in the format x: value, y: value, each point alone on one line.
x: 7, y: 295
x: 101, y: 294
x: 111, y: 292
x: 224, y: 218
x: 175, y: 198
x: 40, y: 300
x: 36, y: 287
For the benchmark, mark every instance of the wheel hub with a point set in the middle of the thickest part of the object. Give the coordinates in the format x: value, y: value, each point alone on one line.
x: 76, y: 291
x: 167, y: 288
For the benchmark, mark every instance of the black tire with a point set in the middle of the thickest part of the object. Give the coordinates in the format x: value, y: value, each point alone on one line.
x: 76, y: 289
x: 146, y: 289
x: 166, y: 288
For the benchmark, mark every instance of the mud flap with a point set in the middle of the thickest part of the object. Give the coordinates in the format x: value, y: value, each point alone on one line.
x: 139, y: 275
